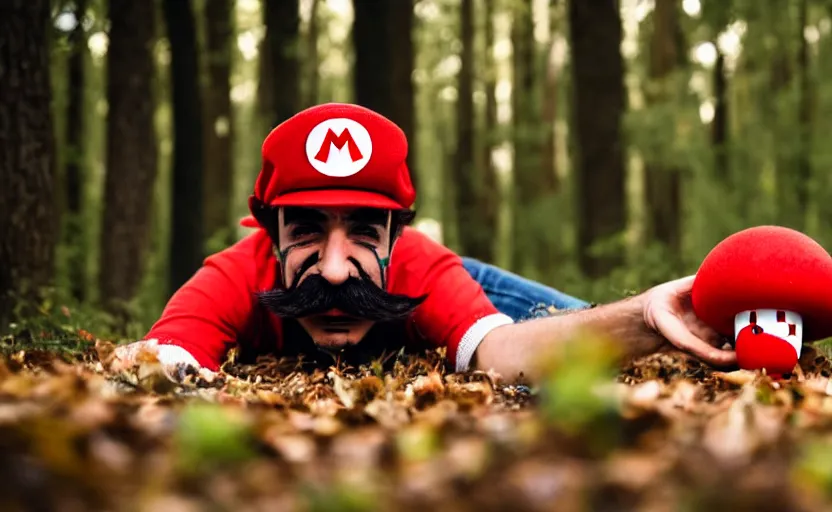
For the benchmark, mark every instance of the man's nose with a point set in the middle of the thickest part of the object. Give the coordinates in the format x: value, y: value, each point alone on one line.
x: 334, y: 264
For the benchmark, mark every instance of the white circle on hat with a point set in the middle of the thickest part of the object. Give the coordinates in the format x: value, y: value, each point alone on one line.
x: 339, y: 147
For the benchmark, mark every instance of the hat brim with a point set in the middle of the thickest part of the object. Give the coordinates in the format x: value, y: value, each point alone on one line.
x: 337, y: 198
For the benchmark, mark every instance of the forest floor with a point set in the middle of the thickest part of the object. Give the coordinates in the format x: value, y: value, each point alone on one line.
x: 664, y: 434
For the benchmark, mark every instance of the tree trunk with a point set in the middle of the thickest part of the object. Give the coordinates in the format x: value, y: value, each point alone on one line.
x: 804, y: 166
x: 662, y: 187
x: 781, y: 78
x: 75, y: 165
x: 186, y: 250
x: 475, y: 239
x: 735, y: 186
x: 131, y: 152
x: 280, y: 64
x: 523, y: 168
x: 595, y: 33
x: 533, y: 189
x: 402, y: 57
x: 384, y: 60
x: 265, y: 80
x: 489, y: 198
x: 219, y: 164
x: 75, y: 112
x: 312, y: 59
x: 371, y: 42
x: 791, y: 75
x: 550, y: 102
x: 719, y: 125
x: 28, y: 220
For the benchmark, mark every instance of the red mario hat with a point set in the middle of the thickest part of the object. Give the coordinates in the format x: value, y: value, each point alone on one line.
x: 333, y: 155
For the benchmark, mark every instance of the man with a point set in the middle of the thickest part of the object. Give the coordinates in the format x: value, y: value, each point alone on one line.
x: 334, y: 269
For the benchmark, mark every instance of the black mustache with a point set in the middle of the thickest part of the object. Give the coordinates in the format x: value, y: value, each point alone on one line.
x: 356, y: 297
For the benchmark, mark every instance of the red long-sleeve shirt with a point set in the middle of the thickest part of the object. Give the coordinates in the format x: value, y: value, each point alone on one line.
x: 218, y: 308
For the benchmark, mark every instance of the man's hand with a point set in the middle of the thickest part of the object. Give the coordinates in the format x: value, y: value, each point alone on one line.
x: 175, y: 361
x: 669, y: 311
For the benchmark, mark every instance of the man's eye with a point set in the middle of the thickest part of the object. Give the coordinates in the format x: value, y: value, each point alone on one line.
x: 366, y: 231
x: 303, y: 230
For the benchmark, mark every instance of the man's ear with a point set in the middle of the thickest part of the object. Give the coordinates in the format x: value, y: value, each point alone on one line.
x: 400, y: 219
x: 268, y: 217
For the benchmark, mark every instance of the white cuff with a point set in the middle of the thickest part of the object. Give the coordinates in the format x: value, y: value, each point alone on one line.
x: 474, y: 336
x: 170, y: 355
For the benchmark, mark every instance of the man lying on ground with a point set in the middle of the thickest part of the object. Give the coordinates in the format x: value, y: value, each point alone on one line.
x: 334, y: 270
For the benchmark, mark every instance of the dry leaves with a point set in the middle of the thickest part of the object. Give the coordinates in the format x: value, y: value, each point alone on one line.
x: 669, y: 434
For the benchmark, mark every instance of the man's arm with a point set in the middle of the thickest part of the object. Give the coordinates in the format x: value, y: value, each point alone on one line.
x: 642, y: 324
x: 516, y: 348
x: 207, y: 314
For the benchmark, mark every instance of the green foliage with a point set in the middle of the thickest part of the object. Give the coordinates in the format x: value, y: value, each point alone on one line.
x: 209, y: 436
x: 814, y: 466
x: 59, y: 322
x: 574, y: 393
x: 417, y: 443
x: 339, y: 498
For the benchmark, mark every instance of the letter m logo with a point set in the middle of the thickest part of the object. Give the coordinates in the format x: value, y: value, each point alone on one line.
x: 338, y: 147
x: 339, y: 141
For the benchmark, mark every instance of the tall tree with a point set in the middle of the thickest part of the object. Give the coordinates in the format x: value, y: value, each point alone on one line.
x: 662, y: 187
x: 489, y: 197
x: 74, y: 167
x: 526, y: 171
x: 475, y: 239
x: 28, y: 220
x: 804, y: 121
x: 131, y: 152
x: 783, y: 72
x: 384, y: 60
x: 595, y: 35
x: 550, y: 98
x: 372, y: 55
x: 311, y: 58
x: 402, y: 58
x: 280, y: 64
x: 719, y: 125
x: 726, y: 176
x: 219, y: 164
x: 534, y: 187
x: 186, y: 250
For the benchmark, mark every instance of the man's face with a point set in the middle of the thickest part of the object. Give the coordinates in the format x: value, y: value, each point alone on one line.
x: 331, y: 246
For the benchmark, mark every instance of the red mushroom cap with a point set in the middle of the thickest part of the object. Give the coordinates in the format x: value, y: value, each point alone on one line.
x: 766, y: 267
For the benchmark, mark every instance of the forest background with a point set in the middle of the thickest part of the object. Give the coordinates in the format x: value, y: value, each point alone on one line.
x: 596, y: 146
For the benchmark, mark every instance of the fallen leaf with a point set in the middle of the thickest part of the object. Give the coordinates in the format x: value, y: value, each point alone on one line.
x: 297, y: 449
x: 738, y: 377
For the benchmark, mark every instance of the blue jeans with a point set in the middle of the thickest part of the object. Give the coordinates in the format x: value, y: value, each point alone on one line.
x: 516, y: 296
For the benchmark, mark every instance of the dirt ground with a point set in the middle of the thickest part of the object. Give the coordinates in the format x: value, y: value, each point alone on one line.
x: 662, y: 434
